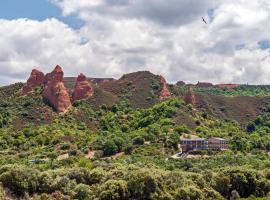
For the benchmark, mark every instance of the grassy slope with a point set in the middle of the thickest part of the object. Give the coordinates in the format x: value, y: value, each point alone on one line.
x: 239, y: 108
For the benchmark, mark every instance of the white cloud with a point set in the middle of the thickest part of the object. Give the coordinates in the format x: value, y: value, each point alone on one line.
x: 28, y: 43
x: 172, y: 12
x: 165, y: 37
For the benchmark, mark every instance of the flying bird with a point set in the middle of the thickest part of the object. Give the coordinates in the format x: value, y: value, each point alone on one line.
x: 204, y: 20
x: 264, y: 58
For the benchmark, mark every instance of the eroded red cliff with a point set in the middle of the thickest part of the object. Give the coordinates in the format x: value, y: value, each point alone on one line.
x: 55, y: 92
x: 164, y: 92
x: 190, y: 97
x: 83, y: 89
x: 36, y: 79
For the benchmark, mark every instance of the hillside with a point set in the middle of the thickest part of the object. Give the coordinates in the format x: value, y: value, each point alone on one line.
x: 142, y: 88
x: 118, y: 138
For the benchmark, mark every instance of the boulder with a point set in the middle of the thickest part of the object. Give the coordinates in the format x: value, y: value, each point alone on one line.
x: 36, y: 79
x: 55, y: 92
x: 83, y: 89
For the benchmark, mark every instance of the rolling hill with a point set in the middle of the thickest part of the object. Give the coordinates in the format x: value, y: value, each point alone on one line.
x: 123, y: 133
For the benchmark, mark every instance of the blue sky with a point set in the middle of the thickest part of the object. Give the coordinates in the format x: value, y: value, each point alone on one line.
x: 36, y: 10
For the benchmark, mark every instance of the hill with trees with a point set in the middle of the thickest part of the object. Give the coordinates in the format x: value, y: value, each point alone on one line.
x: 117, y: 142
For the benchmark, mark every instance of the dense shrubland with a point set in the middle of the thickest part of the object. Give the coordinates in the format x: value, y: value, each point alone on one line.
x: 243, y: 90
x: 132, y: 182
x: 31, y: 142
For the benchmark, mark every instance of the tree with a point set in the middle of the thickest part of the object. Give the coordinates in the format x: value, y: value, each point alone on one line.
x: 83, y: 192
x: 251, y: 127
x: 222, y: 184
x: 20, y: 179
x: 190, y: 192
x: 109, y: 148
x: 138, y: 141
x: 128, y: 149
x: 114, y: 190
x: 142, y: 185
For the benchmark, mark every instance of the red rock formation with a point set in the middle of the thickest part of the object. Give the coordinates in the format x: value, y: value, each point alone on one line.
x: 55, y: 92
x: 228, y: 86
x: 164, y: 93
x: 57, y: 75
x: 82, y: 90
x: 190, y: 97
x: 204, y: 85
x: 36, y: 79
x: 180, y: 83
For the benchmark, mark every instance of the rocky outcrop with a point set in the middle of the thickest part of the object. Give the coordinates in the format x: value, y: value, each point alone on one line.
x: 36, y: 79
x: 98, y: 81
x: 82, y: 89
x: 204, y: 85
x: 56, y: 75
x: 190, y: 97
x: 164, y: 92
x: 180, y: 83
x: 55, y: 92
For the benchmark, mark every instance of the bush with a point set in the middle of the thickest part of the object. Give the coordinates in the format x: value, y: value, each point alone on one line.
x: 72, y: 152
x: 83, y: 192
x: 65, y: 146
x: 247, y: 182
x: 251, y: 127
x: 138, y: 141
x: 128, y: 149
x: 21, y: 179
x: 190, y: 192
x: 109, y: 148
x: 114, y: 190
x: 142, y: 185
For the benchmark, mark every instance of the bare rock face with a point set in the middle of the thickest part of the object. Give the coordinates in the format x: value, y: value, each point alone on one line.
x: 82, y: 90
x: 55, y: 92
x: 164, y: 93
x: 36, y: 79
x: 190, y: 97
x: 204, y: 85
x: 57, y: 75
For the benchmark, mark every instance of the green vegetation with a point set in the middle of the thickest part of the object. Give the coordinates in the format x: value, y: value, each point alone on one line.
x: 116, y: 151
x: 242, y: 90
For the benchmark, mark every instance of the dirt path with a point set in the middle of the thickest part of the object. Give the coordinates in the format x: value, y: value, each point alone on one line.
x: 63, y: 156
x: 90, y: 155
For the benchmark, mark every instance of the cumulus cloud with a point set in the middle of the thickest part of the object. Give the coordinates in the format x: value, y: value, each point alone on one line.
x: 28, y: 43
x: 172, y: 12
x: 164, y: 36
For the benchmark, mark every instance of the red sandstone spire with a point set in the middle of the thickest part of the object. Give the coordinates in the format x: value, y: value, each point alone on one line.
x: 190, y: 97
x: 82, y: 90
x: 164, y: 93
x: 36, y: 79
x: 55, y: 92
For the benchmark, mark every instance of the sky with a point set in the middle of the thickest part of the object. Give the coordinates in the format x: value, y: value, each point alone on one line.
x: 108, y: 38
